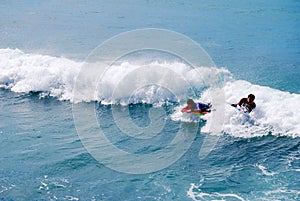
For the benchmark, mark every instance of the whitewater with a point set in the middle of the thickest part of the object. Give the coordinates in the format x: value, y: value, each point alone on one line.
x: 55, y: 76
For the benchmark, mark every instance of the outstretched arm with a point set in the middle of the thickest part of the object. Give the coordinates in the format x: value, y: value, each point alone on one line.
x: 186, y: 110
x: 238, y: 104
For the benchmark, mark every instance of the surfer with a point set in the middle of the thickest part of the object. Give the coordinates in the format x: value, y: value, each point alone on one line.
x: 246, y: 104
x: 199, y: 107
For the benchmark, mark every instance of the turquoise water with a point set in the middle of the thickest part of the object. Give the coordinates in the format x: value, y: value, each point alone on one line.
x: 51, y: 150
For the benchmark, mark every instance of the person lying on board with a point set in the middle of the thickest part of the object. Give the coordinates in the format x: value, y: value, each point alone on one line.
x: 196, y: 108
x: 246, y: 104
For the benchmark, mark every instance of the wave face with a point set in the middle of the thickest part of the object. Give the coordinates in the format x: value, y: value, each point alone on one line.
x: 52, y: 76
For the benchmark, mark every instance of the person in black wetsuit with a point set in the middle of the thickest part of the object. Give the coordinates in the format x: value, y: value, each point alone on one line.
x: 246, y: 103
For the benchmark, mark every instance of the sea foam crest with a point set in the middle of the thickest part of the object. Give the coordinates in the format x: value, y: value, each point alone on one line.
x: 22, y: 72
x: 56, y: 76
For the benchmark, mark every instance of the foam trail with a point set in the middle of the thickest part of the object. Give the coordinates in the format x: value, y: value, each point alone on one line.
x: 264, y: 170
x: 195, y: 193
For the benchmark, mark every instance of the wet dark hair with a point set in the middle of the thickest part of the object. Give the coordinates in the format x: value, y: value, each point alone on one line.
x: 190, y: 101
x: 251, y: 96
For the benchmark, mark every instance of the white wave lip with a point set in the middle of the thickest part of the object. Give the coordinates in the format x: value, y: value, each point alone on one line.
x: 55, y: 76
x: 22, y: 72
x: 177, y: 74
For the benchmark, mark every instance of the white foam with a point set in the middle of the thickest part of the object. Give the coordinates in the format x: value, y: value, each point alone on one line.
x: 277, y: 112
x: 21, y: 72
x: 195, y: 193
x: 264, y: 170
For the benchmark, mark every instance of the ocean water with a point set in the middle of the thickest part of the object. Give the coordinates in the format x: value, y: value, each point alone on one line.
x: 91, y: 95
